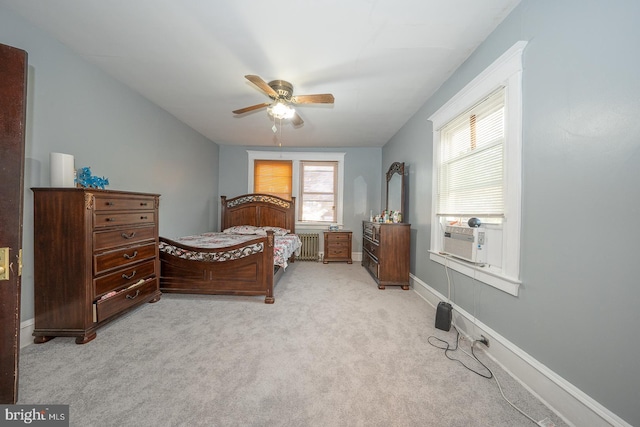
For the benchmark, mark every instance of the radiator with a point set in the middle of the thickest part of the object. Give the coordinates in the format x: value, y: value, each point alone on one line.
x: 310, y: 247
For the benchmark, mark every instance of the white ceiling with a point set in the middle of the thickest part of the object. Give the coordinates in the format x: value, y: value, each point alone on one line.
x: 381, y: 59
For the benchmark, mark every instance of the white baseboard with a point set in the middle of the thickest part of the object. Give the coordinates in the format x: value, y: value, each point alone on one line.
x: 574, y: 406
x: 26, y: 331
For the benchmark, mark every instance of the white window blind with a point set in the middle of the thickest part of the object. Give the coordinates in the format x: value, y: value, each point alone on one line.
x: 471, y: 167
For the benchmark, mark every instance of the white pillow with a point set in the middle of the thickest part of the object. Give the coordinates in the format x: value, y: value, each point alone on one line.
x: 276, y: 230
x: 242, y: 229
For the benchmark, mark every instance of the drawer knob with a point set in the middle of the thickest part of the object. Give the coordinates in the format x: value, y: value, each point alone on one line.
x: 110, y: 204
x: 143, y: 217
x: 129, y: 236
x: 127, y: 256
x: 143, y: 203
x: 110, y: 219
x: 135, y: 296
x: 124, y: 276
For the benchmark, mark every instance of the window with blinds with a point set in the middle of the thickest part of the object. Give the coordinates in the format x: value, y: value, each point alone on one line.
x: 318, y: 191
x: 477, y: 169
x: 471, y: 167
x: 273, y: 177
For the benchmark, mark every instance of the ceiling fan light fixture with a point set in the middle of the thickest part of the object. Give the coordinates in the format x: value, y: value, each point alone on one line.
x: 280, y: 110
x: 281, y: 94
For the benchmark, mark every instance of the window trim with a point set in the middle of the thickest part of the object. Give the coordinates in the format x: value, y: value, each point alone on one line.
x: 505, y: 71
x: 296, y: 157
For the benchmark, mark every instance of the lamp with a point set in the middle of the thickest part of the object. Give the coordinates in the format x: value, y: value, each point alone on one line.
x: 280, y: 110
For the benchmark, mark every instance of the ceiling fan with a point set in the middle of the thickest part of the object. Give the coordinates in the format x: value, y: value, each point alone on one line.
x: 281, y: 92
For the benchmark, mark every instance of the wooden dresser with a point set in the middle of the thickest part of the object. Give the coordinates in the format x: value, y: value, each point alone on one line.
x: 337, y: 246
x: 385, y: 253
x: 95, y: 257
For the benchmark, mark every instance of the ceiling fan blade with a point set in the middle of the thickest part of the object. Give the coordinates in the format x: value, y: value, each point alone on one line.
x: 321, y: 98
x: 296, y: 120
x: 262, y: 85
x: 253, y: 107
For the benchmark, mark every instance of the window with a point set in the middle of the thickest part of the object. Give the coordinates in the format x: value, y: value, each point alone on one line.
x: 477, y: 146
x: 324, y: 205
x: 273, y: 177
x: 470, y: 169
x: 318, y: 191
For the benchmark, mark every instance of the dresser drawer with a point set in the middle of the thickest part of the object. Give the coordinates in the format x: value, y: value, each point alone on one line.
x: 370, y: 247
x: 123, y: 257
x: 333, y: 245
x: 108, y: 219
x: 338, y: 252
x: 371, y: 230
x: 107, y: 307
x: 123, y: 236
x: 337, y: 237
x: 123, y: 278
x: 371, y: 264
x: 104, y: 202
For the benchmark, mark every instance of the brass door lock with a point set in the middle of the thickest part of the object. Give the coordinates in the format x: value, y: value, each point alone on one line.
x: 4, y: 263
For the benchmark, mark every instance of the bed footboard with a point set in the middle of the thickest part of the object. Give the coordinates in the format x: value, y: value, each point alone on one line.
x: 245, y: 269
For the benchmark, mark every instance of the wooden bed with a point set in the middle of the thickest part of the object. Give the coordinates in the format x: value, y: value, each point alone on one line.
x: 241, y: 269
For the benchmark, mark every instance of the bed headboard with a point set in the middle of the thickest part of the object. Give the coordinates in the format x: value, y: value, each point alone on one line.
x: 259, y: 210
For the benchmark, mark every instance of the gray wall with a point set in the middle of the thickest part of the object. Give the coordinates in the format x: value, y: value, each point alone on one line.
x: 77, y: 109
x: 581, y: 195
x: 362, y: 185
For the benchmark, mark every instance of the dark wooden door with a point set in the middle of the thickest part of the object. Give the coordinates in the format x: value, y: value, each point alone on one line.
x: 13, y: 87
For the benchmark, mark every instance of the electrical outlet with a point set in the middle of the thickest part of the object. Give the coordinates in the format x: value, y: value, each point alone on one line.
x: 484, y: 340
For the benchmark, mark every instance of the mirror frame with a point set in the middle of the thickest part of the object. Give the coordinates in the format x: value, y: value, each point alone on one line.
x: 397, y: 168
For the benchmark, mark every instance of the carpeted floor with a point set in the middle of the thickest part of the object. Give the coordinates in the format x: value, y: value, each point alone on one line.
x: 332, y: 351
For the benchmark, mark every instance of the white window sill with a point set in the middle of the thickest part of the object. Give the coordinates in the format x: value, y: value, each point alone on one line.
x: 316, y: 226
x: 481, y: 274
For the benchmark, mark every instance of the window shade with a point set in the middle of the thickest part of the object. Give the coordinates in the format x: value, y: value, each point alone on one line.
x: 273, y: 177
x: 471, y: 168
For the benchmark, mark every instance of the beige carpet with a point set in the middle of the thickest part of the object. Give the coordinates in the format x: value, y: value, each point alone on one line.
x: 332, y: 351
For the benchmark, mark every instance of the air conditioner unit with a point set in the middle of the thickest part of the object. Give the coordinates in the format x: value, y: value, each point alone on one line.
x: 469, y: 244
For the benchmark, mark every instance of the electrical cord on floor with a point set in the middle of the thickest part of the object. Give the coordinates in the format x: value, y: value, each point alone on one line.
x: 505, y: 397
x: 447, y: 348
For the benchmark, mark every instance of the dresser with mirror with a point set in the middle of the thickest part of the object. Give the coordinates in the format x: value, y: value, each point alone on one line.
x: 386, y: 245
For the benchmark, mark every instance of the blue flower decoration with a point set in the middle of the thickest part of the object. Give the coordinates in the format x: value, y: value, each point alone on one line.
x: 86, y: 180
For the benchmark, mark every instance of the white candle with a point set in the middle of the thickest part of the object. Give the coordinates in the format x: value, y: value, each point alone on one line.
x: 62, y: 170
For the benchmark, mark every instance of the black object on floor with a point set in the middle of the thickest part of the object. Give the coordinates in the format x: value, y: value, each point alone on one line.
x: 443, y: 316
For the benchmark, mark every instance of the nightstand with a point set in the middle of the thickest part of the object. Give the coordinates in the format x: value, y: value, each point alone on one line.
x: 337, y: 246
